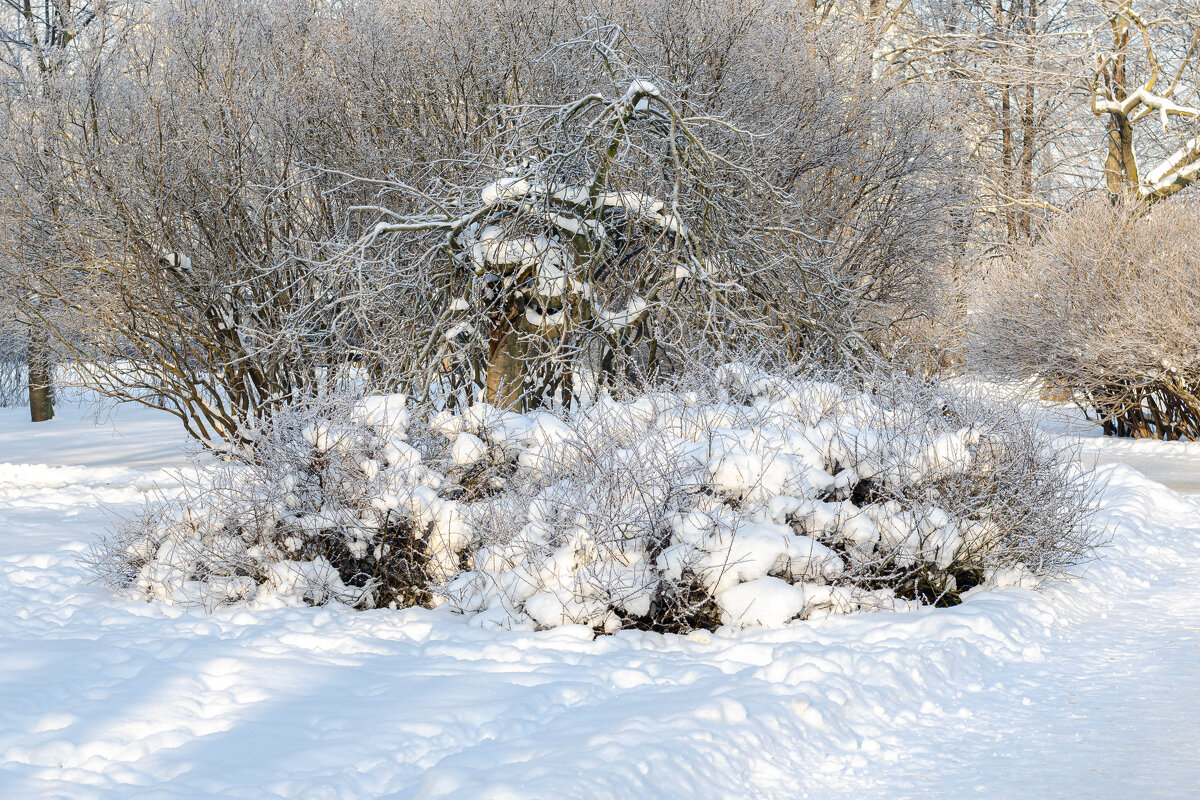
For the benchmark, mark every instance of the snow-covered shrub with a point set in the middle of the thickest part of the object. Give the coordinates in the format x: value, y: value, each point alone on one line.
x: 585, y: 509
x: 746, y: 498
x: 326, y: 502
x: 758, y: 500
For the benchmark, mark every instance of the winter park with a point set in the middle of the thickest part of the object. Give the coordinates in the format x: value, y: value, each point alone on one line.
x: 513, y: 399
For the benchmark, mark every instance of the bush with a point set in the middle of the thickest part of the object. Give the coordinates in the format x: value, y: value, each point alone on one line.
x: 757, y: 499
x: 747, y: 498
x: 1105, y: 309
x: 326, y: 502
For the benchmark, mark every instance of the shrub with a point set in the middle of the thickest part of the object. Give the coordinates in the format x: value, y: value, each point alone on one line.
x: 1105, y: 309
x: 744, y: 498
x: 758, y: 500
x: 325, y: 502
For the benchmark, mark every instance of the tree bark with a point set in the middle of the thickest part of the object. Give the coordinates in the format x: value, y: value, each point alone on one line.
x: 1120, y: 164
x: 1028, y: 123
x: 505, y: 380
x: 41, y: 377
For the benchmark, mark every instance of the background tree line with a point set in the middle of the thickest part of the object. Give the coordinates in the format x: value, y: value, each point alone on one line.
x: 220, y: 208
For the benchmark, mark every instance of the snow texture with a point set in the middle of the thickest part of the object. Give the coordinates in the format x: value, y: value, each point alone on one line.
x: 1085, y: 689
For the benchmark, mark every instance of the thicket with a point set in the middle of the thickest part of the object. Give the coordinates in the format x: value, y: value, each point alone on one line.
x: 746, y: 498
x: 1105, y: 309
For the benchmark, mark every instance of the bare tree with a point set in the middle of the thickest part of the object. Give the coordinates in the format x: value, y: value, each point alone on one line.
x: 1015, y: 71
x: 1126, y: 102
x: 613, y: 233
x: 200, y: 272
x: 38, y: 41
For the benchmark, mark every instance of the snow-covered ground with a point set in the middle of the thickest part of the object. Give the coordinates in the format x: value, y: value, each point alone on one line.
x: 1175, y: 464
x: 1087, y: 689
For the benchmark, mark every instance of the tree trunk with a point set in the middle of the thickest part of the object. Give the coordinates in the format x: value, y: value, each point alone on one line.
x: 1120, y: 165
x: 41, y: 376
x: 505, y: 380
x: 1028, y: 125
x: 1007, y: 161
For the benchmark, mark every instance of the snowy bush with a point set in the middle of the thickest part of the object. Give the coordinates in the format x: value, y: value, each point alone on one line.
x: 326, y: 502
x: 749, y: 498
x: 758, y: 500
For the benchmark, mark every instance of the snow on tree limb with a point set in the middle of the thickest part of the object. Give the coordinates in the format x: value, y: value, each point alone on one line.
x: 1126, y: 107
x: 616, y: 213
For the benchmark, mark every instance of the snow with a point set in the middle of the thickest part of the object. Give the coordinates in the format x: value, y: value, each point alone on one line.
x: 1086, y: 688
x: 468, y: 449
x: 640, y: 88
x: 177, y: 261
x: 768, y: 602
x: 504, y: 189
x: 387, y: 412
x: 1172, y: 163
x: 456, y: 330
x: 614, y: 321
x: 635, y: 202
x: 525, y: 251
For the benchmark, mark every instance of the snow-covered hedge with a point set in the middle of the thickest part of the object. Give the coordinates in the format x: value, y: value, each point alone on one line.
x: 752, y: 499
